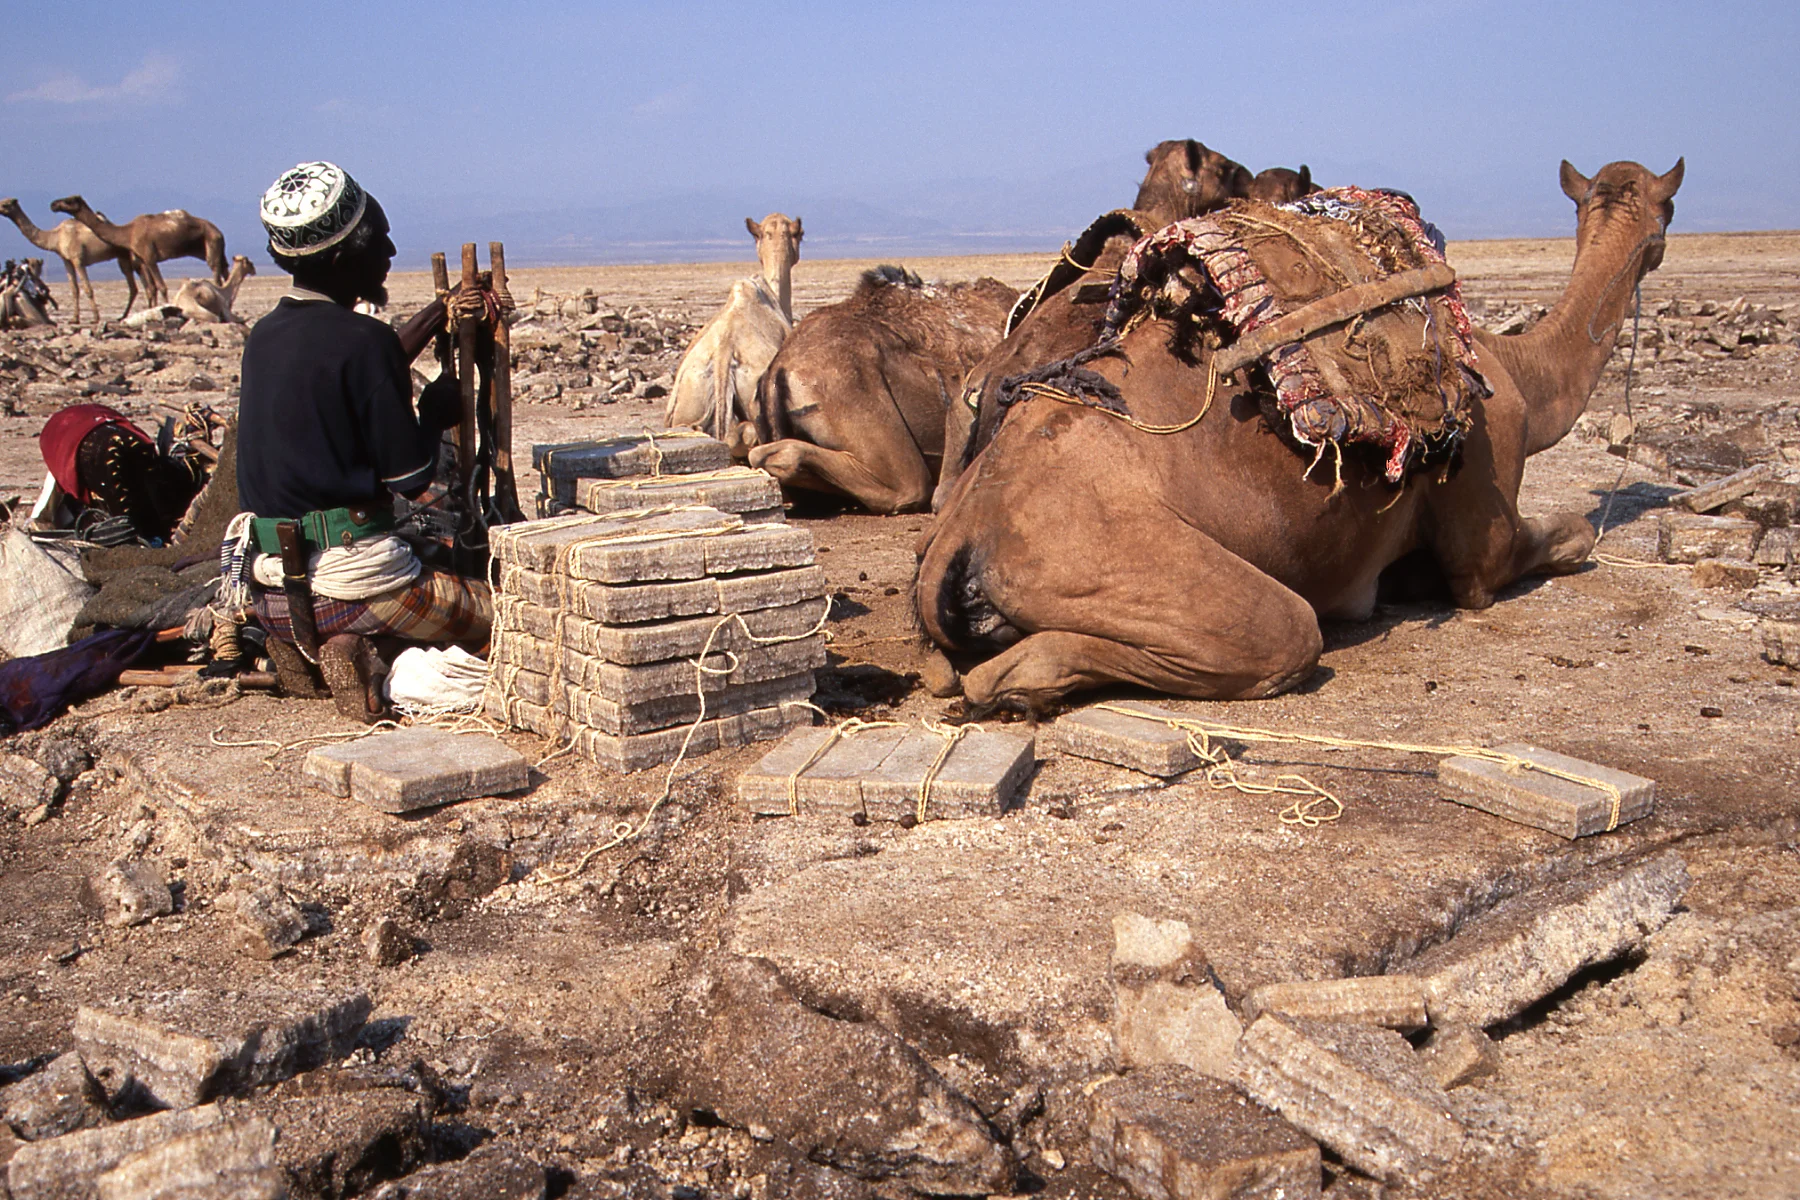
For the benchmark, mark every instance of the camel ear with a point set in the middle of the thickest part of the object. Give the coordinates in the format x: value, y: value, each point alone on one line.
x: 1305, y: 178
x: 798, y: 231
x: 753, y: 227
x: 1667, y: 184
x: 1574, y: 183
x: 1195, y: 154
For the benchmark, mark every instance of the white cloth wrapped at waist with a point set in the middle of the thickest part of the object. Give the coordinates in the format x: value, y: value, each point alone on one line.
x: 356, y: 572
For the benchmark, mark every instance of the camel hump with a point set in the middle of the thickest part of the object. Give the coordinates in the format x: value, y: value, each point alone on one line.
x: 889, y: 275
x: 180, y: 214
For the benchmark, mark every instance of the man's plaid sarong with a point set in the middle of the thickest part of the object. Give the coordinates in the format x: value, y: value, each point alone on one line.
x: 435, y: 607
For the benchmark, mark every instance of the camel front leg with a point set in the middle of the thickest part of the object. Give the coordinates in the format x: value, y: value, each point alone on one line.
x: 77, y: 280
x: 156, y: 291
x: 798, y: 464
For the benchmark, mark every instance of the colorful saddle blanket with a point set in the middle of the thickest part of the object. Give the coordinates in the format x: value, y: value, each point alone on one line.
x: 1401, y: 378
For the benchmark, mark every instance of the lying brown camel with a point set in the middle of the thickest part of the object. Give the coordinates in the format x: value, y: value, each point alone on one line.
x: 1062, y: 314
x: 153, y: 237
x: 1279, y: 185
x: 716, y: 382
x: 205, y: 301
x: 854, y: 401
x: 1079, y: 550
x: 79, y: 248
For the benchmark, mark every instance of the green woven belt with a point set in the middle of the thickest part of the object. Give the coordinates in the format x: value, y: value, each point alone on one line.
x: 326, y: 528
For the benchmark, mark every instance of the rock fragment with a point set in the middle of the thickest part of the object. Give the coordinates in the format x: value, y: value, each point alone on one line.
x: 130, y: 893
x: 197, y: 1046
x: 266, y: 923
x: 67, y: 1167
x: 848, y: 1095
x: 1545, y: 801
x: 336, y: 1140
x: 1167, y: 1007
x: 1688, y: 538
x: 387, y: 943
x: 1171, y: 1134
x: 26, y: 785
x: 1530, y: 945
x: 1735, y: 573
x: 1392, y: 1001
x: 1459, y: 1054
x: 232, y: 1160
x: 1710, y: 496
x: 1357, y: 1089
x: 59, y: 1099
x: 491, y: 1172
x: 1781, y: 642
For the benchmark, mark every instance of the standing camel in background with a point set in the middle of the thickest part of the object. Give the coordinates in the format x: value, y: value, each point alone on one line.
x: 153, y: 237
x: 1280, y: 185
x: 718, y: 374
x: 79, y: 247
x: 205, y: 301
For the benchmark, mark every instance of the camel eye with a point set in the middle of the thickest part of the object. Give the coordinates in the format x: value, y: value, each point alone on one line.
x: 1189, y: 185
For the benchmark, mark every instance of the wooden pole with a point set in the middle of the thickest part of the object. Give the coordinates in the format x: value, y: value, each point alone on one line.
x: 440, y: 280
x: 506, y: 491
x: 465, y: 374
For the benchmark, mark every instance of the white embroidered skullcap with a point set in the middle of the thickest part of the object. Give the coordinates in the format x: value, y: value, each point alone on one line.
x: 312, y: 208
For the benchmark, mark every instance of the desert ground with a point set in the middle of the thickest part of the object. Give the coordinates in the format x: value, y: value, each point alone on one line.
x: 567, y: 1019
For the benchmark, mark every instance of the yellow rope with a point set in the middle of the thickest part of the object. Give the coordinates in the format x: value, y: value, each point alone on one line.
x: 1614, y: 560
x: 625, y: 831
x: 952, y: 734
x: 849, y: 727
x: 1201, y: 733
x: 1049, y: 392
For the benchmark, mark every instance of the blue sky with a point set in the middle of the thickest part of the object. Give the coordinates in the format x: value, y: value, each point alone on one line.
x: 621, y: 131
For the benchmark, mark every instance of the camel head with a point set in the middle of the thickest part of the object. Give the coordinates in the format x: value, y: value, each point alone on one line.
x: 68, y: 205
x: 242, y: 266
x: 777, y: 243
x: 1278, y: 185
x: 9, y: 207
x: 1627, y: 198
x: 1187, y: 179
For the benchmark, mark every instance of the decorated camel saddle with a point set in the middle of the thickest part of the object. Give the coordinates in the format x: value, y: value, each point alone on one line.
x: 1342, y: 298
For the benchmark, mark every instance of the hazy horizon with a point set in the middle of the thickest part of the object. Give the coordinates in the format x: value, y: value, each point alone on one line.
x: 620, y: 133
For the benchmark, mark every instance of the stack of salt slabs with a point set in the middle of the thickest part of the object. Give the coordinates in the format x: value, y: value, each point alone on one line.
x: 676, y: 466
x: 601, y: 620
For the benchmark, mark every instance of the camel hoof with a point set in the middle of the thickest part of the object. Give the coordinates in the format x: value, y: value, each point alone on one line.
x: 940, y: 678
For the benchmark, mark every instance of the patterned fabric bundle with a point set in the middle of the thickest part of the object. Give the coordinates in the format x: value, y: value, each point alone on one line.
x: 435, y: 607
x: 1400, y: 379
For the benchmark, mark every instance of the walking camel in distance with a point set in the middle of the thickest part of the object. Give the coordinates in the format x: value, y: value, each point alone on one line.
x: 717, y: 377
x: 1079, y: 550
x: 153, y: 237
x: 79, y: 248
x: 205, y: 301
x: 1062, y: 314
x: 854, y: 401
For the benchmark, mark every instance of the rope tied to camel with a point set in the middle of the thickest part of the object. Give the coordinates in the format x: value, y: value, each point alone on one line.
x: 1201, y: 735
x: 1051, y: 392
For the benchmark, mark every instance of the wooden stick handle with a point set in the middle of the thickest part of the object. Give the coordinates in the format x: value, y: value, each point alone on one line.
x: 1332, y: 310
x: 506, y: 492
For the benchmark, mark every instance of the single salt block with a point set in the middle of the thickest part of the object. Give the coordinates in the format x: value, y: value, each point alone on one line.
x: 62, y: 1167
x: 1720, y: 492
x: 1688, y: 538
x: 660, y: 680
x: 979, y: 776
x: 1359, y: 1090
x: 671, y: 452
x: 833, y: 782
x: 657, y: 641
x: 1392, y: 1001
x: 1145, y: 745
x: 417, y: 768
x: 733, y: 490
x: 529, y: 707
x: 636, y: 752
x: 1171, y: 1134
x: 1529, y: 945
x: 1545, y: 801
x: 232, y: 1160
x: 630, y: 604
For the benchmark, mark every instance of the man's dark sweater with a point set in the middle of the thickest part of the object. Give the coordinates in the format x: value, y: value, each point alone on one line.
x: 325, y: 418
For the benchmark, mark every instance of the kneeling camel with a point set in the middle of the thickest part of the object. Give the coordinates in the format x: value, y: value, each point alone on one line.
x: 1079, y: 550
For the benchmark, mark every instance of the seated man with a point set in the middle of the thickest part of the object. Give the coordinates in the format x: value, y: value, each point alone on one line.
x: 327, y: 438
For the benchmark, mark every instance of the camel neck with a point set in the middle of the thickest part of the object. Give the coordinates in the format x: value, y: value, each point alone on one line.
x: 107, y: 231
x: 33, y: 234
x: 781, y: 286
x: 1557, y: 363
